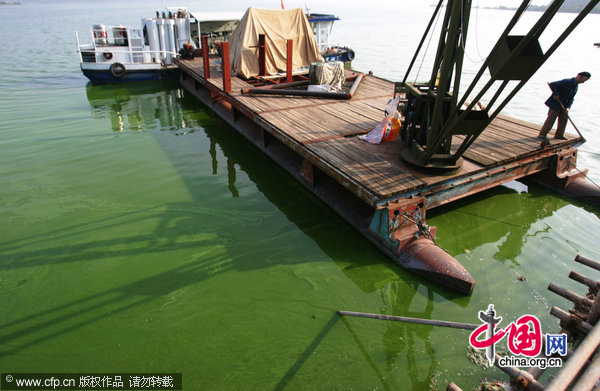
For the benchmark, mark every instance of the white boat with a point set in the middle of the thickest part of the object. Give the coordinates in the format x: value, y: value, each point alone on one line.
x: 322, y: 25
x: 123, y: 54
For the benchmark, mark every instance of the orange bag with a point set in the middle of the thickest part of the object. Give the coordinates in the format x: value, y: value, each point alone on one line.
x: 392, y: 130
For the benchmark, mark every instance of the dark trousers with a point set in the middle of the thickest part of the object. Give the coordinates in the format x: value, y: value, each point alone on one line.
x: 562, y: 123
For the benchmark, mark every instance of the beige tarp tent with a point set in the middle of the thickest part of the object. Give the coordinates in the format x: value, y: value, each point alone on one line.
x: 278, y: 26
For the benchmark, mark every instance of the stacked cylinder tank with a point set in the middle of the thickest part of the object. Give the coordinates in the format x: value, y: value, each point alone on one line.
x: 159, y: 36
x: 166, y: 36
x: 182, y: 31
x: 151, y: 32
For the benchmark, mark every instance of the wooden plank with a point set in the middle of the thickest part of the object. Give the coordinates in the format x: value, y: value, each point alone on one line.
x: 517, y: 143
x: 508, y: 146
x: 361, y: 162
x: 372, y: 109
x: 309, y: 124
x: 351, y: 119
x: 292, y: 127
x: 481, y: 157
x: 489, y: 146
x: 507, y: 139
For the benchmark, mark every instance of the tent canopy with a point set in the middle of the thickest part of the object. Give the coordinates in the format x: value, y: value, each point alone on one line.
x: 278, y: 26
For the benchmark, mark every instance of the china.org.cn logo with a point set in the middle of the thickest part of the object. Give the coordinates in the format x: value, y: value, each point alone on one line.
x: 524, y: 339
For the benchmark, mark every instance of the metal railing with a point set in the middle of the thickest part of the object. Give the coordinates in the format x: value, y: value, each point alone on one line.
x: 101, y: 49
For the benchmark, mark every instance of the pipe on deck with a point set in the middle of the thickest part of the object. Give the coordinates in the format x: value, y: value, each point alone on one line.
x: 278, y: 90
x: 314, y: 94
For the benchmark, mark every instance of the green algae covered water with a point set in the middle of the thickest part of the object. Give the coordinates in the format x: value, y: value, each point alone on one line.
x: 141, y: 234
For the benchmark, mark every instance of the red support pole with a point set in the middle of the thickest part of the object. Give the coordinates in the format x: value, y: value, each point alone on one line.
x: 289, y: 61
x: 205, y: 59
x: 262, y: 55
x: 226, y: 67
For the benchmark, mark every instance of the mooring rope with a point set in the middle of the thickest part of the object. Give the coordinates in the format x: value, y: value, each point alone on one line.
x: 588, y: 178
x: 437, y: 18
x: 422, y: 227
x: 463, y: 39
x: 591, y: 153
x: 570, y: 164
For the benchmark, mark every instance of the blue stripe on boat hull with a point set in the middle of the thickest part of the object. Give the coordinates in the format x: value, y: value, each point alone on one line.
x: 336, y: 57
x: 105, y: 77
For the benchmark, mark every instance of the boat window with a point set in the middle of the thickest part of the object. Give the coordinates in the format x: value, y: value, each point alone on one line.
x: 321, y: 30
x: 145, y: 36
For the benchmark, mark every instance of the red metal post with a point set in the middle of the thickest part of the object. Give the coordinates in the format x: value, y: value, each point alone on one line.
x: 262, y: 55
x: 226, y: 67
x: 289, y: 60
x: 205, y: 59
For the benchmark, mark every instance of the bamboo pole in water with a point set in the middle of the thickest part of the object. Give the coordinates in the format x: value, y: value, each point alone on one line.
x: 429, y: 322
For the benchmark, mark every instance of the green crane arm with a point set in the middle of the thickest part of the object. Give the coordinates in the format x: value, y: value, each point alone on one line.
x: 435, y: 112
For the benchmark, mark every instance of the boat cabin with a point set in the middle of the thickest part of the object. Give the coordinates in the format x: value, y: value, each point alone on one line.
x: 322, y: 25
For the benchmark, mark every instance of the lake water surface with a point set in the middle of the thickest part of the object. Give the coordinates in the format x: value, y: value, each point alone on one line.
x: 141, y: 234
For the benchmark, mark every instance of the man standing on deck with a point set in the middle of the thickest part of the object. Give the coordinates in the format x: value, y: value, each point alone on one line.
x: 563, y: 93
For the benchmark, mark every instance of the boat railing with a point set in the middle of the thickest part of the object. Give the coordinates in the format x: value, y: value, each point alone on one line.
x: 109, y: 48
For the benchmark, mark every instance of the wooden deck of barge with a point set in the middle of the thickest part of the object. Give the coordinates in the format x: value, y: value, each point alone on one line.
x: 315, y: 139
x: 326, y: 130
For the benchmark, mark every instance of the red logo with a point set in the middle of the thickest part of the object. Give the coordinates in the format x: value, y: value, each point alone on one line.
x: 524, y: 336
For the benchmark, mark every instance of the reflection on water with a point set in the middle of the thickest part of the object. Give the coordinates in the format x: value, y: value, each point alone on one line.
x: 139, y: 106
x: 150, y: 106
x: 403, y: 342
x: 501, y: 214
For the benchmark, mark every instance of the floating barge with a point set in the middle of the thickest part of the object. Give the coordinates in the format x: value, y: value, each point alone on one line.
x: 382, y: 196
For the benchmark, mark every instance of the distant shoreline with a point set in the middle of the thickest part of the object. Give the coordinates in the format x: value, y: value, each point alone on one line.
x: 541, y: 8
x: 10, y: 3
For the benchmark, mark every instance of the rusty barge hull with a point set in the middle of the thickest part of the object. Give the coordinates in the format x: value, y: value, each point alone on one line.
x: 370, y: 186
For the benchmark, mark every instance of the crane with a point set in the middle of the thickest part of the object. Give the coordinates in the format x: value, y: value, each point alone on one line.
x: 435, y: 111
